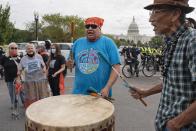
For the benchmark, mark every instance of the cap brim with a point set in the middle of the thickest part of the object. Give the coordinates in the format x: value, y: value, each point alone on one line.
x: 184, y: 8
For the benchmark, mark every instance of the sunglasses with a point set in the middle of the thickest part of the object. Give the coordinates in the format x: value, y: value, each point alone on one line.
x: 91, y: 26
x: 13, y: 48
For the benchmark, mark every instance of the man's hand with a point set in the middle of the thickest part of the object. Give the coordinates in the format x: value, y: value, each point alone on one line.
x: 172, y: 125
x: 138, y: 93
x: 105, y: 92
x: 18, y: 80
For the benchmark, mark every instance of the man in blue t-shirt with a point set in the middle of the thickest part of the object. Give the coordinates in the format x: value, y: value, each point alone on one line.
x: 94, y: 56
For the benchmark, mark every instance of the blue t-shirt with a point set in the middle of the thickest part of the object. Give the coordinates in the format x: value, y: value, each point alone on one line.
x: 91, y: 69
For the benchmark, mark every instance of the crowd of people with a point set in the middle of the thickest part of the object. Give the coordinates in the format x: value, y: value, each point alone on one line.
x: 96, y: 60
x: 39, y: 72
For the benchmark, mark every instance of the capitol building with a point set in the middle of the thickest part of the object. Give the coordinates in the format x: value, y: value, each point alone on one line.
x: 133, y: 34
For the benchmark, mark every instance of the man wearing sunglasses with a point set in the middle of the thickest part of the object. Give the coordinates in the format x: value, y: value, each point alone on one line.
x: 91, y: 56
x: 177, y: 107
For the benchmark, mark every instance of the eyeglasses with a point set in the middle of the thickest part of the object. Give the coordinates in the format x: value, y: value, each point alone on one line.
x: 157, y: 11
x: 92, y: 26
x: 13, y: 48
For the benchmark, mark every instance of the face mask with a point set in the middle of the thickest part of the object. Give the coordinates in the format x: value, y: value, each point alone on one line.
x: 31, y: 55
x: 13, y: 53
x: 53, y: 51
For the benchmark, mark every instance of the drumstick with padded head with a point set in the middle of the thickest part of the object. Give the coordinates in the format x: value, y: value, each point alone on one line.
x: 93, y: 92
x: 131, y: 87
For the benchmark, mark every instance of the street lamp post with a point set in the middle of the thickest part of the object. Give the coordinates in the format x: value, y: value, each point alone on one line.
x: 36, y: 16
x: 72, y: 31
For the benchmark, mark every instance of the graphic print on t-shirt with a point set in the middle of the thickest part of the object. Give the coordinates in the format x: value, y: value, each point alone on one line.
x: 52, y: 62
x: 88, y: 61
x: 33, y: 66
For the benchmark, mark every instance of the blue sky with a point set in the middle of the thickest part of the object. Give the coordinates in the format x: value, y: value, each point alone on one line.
x: 117, y: 14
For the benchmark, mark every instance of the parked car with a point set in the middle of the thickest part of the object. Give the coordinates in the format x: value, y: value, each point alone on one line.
x: 65, y: 49
x: 21, y: 49
x: 36, y: 43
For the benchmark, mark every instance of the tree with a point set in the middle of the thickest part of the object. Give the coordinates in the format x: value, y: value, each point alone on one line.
x: 6, y: 27
x: 156, y: 42
x: 79, y: 30
x: 63, y: 25
x: 132, y: 43
x: 55, y: 34
x: 123, y: 42
x: 58, y: 28
x: 30, y: 27
x: 22, y: 36
x: 139, y: 43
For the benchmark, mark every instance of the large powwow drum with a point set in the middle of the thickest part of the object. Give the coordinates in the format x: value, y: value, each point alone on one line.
x: 70, y: 113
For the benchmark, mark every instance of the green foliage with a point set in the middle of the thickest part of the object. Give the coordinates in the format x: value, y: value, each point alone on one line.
x: 156, y: 42
x: 22, y: 36
x: 123, y: 42
x: 132, y: 43
x: 116, y: 41
x: 57, y: 28
x: 78, y: 28
x: 55, y: 20
x: 55, y: 34
x: 6, y: 27
x: 139, y: 44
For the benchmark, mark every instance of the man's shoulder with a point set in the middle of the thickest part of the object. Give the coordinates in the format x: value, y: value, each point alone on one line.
x: 106, y: 38
x: 107, y: 41
x: 191, y: 33
x: 80, y: 39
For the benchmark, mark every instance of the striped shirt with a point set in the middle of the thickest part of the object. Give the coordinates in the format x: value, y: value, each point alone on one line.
x: 178, y: 91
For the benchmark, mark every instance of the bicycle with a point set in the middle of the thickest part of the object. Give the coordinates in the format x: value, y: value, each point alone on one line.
x: 149, y: 66
x: 128, y: 69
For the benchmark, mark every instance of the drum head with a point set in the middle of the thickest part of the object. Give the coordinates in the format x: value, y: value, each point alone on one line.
x: 67, y: 111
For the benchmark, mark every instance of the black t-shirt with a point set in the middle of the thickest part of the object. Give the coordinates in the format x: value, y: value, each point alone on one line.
x: 10, y: 67
x: 134, y: 52
x: 45, y: 57
x: 55, y: 64
x: 1, y: 53
x: 128, y: 51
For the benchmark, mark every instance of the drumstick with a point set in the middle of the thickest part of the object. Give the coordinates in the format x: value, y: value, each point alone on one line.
x: 131, y: 87
x: 98, y: 95
x: 93, y: 92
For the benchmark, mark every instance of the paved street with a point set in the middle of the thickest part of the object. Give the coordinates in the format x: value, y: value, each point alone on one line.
x: 130, y: 114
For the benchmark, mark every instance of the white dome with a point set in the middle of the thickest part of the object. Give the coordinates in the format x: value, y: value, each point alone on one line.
x: 133, y: 28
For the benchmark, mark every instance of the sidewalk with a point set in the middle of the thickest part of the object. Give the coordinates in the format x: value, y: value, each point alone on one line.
x: 6, y: 122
